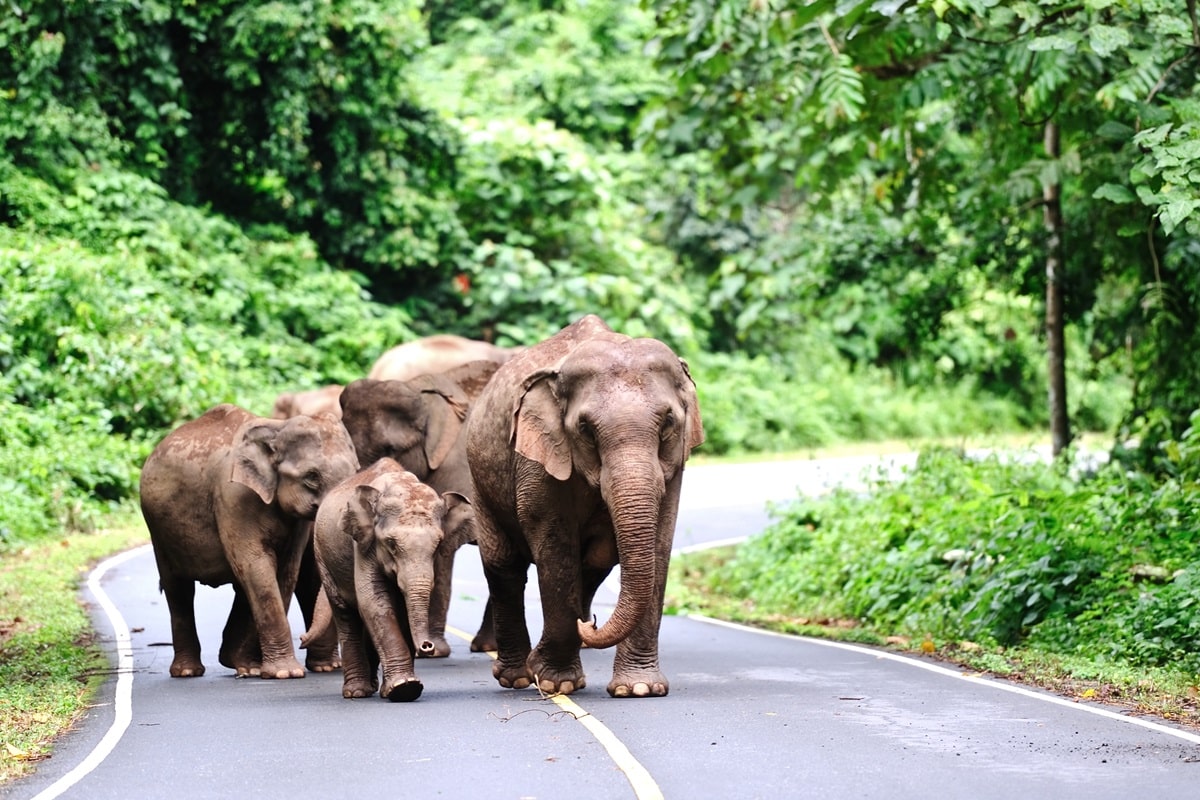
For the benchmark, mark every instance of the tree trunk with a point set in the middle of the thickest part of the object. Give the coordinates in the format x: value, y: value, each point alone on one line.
x: 1060, y: 423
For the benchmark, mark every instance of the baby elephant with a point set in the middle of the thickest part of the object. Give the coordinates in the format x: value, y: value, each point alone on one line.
x: 376, y: 535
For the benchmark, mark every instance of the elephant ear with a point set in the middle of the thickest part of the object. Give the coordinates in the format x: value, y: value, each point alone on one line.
x: 538, y: 432
x: 254, y: 462
x: 359, y: 518
x: 458, y: 523
x: 443, y: 424
x: 695, y: 431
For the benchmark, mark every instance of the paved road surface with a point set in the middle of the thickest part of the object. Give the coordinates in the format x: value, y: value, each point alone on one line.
x: 750, y: 715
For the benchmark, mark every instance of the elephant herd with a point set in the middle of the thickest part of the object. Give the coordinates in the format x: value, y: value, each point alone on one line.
x: 567, y: 455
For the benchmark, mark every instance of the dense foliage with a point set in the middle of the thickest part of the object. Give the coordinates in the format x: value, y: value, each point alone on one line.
x: 214, y: 202
x: 994, y: 552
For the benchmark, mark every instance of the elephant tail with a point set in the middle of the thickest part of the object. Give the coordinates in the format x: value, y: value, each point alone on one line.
x: 322, y: 619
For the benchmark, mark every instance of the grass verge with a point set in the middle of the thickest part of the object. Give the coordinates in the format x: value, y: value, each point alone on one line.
x: 50, y: 665
x: 1170, y: 694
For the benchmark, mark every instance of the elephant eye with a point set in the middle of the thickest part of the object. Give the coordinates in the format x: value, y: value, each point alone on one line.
x: 312, y: 479
x: 586, y: 430
x: 669, y: 424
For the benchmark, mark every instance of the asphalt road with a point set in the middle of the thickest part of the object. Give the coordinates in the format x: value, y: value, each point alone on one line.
x: 750, y: 715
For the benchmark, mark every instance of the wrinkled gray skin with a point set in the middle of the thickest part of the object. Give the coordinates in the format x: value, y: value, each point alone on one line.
x: 321, y: 654
x: 434, y: 354
x: 225, y: 497
x: 422, y: 424
x: 376, y: 537
x: 309, y: 403
x: 577, y: 448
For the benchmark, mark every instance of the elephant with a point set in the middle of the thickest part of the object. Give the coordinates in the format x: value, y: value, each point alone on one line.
x: 322, y: 654
x: 434, y: 354
x: 420, y: 423
x: 309, y: 403
x: 376, y: 536
x: 225, y: 498
x: 576, y: 449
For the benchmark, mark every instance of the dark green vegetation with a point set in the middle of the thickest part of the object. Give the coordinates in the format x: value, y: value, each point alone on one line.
x: 1085, y: 579
x: 855, y: 220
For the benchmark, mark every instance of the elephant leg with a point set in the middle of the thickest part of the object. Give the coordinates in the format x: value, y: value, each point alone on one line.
x: 239, y: 641
x: 358, y: 671
x: 636, y: 671
x: 507, y: 572
x: 555, y: 662
x: 439, y: 602
x: 264, y: 585
x: 506, y: 589
x: 485, y: 638
x: 181, y: 597
x: 384, y: 618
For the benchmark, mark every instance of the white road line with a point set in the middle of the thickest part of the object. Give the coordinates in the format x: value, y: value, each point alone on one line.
x: 644, y: 786
x: 123, y: 701
x: 972, y: 677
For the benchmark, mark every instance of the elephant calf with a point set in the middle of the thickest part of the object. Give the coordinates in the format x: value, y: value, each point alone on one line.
x: 224, y: 498
x: 376, y: 537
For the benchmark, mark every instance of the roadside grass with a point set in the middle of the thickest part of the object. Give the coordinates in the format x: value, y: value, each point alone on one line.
x: 50, y: 664
x: 1167, y: 693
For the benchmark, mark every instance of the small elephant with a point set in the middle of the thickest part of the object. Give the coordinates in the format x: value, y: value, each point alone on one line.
x: 421, y: 424
x: 576, y: 449
x: 225, y: 497
x: 434, y: 354
x: 376, y: 537
x: 322, y: 654
x: 309, y: 403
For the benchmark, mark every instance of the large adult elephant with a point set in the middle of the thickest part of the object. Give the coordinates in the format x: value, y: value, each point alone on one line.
x: 225, y: 497
x: 421, y: 424
x: 576, y: 449
x: 377, y: 535
x: 434, y: 354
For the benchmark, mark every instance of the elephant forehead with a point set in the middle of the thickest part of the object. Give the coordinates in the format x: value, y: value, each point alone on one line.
x: 622, y: 357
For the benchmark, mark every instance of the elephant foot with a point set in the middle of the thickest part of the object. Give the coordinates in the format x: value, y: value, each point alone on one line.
x: 639, y: 684
x: 328, y: 662
x: 512, y: 676
x: 484, y: 642
x: 352, y: 690
x: 245, y: 664
x: 485, y: 637
x: 403, y: 691
x: 282, y: 669
x: 556, y: 678
x: 186, y: 667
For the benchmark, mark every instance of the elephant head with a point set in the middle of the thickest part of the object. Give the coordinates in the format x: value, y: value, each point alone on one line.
x: 293, y: 462
x: 620, y: 414
x: 398, y: 524
x: 417, y: 422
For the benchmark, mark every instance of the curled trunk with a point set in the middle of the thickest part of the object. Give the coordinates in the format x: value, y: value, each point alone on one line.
x: 633, y: 503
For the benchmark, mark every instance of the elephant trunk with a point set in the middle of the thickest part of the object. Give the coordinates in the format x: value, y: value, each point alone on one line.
x: 321, y: 620
x: 416, y: 600
x: 634, y: 497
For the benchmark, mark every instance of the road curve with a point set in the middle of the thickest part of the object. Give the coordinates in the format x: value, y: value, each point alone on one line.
x: 750, y: 715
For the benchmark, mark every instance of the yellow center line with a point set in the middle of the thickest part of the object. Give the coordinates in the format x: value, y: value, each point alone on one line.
x: 644, y: 787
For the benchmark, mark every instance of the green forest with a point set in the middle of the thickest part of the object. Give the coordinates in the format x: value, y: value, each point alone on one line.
x: 858, y: 221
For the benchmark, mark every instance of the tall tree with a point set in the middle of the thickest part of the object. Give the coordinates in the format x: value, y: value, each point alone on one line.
x: 982, y: 112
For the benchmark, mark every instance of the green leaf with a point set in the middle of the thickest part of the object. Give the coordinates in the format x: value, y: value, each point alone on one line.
x: 1115, y: 193
x: 1107, y: 39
